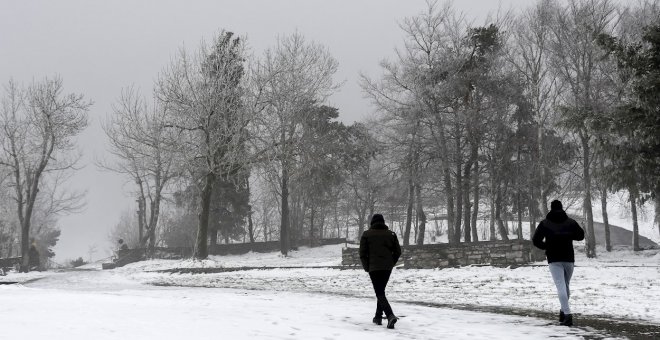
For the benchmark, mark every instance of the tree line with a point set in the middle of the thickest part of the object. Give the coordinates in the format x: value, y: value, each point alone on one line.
x: 474, y: 123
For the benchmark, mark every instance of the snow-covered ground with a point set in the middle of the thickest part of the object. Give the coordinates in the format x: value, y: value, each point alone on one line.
x: 196, y: 313
x: 133, y: 302
x: 621, y: 284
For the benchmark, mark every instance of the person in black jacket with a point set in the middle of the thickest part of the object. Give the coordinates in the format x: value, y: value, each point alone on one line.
x: 379, y: 252
x: 555, y: 234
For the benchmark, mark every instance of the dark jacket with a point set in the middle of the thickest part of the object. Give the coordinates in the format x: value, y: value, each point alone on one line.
x: 556, y: 234
x: 379, y: 248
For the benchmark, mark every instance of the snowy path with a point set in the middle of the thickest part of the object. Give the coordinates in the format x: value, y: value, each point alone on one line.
x: 106, y: 305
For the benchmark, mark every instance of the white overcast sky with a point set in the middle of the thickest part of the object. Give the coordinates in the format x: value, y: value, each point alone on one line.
x: 98, y: 47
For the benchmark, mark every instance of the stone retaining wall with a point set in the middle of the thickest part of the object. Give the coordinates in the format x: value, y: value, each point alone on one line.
x: 263, y: 247
x: 496, y: 253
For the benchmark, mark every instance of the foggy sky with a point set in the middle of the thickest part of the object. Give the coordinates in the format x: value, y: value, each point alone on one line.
x: 99, y: 47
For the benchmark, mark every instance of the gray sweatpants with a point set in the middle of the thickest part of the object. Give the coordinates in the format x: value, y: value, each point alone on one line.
x: 561, y: 273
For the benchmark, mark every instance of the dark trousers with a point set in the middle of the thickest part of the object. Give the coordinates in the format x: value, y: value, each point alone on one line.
x: 379, y: 279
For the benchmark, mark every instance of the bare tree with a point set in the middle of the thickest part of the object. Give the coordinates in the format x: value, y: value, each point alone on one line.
x: 144, y: 148
x: 415, y: 96
x: 575, y: 58
x: 39, y: 125
x: 529, y: 57
x: 288, y: 80
x: 203, y: 96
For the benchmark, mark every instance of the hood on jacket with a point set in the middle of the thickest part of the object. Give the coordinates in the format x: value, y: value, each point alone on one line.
x: 377, y: 218
x: 379, y: 225
x: 557, y: 216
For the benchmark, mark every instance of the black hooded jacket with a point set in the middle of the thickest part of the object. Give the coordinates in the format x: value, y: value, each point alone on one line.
x: 556, y: 234
x: 379, y: 248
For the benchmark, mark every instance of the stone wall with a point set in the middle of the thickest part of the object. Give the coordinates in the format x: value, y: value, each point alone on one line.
x: 496, y: 253
x: 262, y: 247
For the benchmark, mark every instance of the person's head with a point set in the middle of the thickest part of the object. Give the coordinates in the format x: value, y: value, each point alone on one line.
x: 377, y: 218
x: 556, y: 205
x: 121, y: 241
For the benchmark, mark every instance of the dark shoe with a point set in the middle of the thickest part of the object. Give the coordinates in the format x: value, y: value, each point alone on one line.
x: 378, y: 320
x: 391, y: 320
x: 561, y: 316
x: 568, y: 320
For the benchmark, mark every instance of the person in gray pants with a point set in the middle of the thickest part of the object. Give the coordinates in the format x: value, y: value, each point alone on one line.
x: 555, y: 234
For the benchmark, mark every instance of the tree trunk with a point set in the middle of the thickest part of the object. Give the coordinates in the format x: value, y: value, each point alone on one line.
x: 518, y: 188
x: 466, y: 203
x: 493, y: 190
x: 504, y: 233
x: 337, y: 216
x: 542, y: 174
x: 543, y: 201
x: 312, y: 227
x: 140, y: 220
x: 409, y: 211
x: 633, y: 209
x: 152, y: 242
x: 491, y: 228
x: 520, y: 228
x: 532, y: 183
x: 656, y: 218
x: 372, y: 203
x: 459, y: 201
x: 322, y: 226
x: 296, y: 213
x: 458, y: 162
x: 606, y: 221
x: 153, y: 222
x: 25, y: 249
x: 142, y: 215
x: 450, y: 207
x: 531, y: 205
x: 284, y: 221
x: 591, y: 237
x: 250, y: 224
x: 10, y: 245
x: 26, y: 222
x: 201, y: 247
x: 421, y: 216
x: 265, y: 221
x: 360, y: 225
x: 475, y: 198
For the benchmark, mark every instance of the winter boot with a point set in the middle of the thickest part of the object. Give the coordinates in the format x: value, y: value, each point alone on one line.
x: 391, y: 320
x: 561, y: 316
x: 568, y: 320
x: 378, y: 320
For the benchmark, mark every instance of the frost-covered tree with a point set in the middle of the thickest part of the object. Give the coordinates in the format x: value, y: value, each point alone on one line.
x: 575, y: 57
x: 39, y: 124
x: 289, y: 79
x: 145, y: 153
x: 529, y: 57
x: 203, y: 97
x: 633, y: 127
